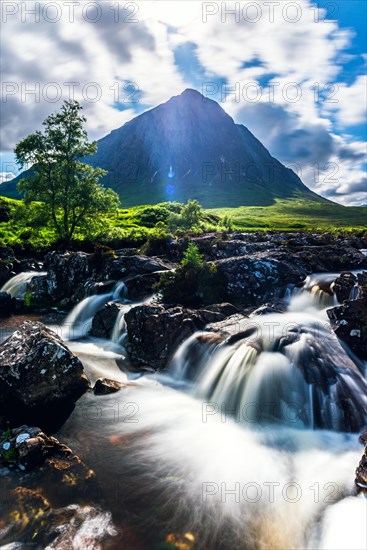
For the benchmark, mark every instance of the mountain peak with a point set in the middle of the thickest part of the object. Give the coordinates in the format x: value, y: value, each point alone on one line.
x: 189, y: 147
x: 191, y: 92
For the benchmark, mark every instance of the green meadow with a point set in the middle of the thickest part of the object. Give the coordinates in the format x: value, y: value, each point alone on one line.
x: 25, y: 229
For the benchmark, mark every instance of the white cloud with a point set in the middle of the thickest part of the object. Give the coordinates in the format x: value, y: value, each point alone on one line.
x: 6, y: 176
x: 113, y: 51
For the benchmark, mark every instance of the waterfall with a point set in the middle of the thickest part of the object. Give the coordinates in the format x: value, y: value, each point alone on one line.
x: 79, y: 321
x: 192, y: 355
x: 285, y: 368
x: 119, y: 328
x: 17, y: 285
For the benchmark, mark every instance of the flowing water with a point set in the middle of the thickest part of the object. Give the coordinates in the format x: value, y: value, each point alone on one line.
x: 17, y: 286
x: 249, y: 441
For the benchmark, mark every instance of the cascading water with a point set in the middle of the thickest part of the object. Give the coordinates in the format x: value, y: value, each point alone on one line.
x: 17, y: 285
x: 238, y: 460
x: 79, y: 321
x: 287, y: 368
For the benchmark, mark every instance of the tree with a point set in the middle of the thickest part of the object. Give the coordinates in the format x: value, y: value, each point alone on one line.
x: 192, y: 256
x: 192, y: 213
x: 68, y: 188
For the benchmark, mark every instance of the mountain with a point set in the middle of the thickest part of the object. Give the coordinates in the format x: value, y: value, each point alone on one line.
x: 189, y: 147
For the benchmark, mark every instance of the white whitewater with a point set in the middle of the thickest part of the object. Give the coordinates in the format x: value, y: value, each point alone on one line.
x: 17, y: 285
x: 78, y: 323
x: 193, y: 463
x: 228, y: 486
x: 286, y: 368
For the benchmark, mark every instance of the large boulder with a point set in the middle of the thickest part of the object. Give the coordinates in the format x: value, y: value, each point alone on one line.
x: 67, y: 275
x: 154, y: 332
x: 253, y: 278
x: 333, y: 257
x: 104, y: 320
x: 140, y: 287
x: 45, y: 490
x: 121, y: 266
x: 344, y: 285
x: 38, y: 375
x: 6, y: 264
x: 349, y: 323
x: 361, y: 471
x: 7, y: 304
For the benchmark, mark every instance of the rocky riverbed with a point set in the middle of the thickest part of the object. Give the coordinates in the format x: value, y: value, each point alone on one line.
x: 79, y: 327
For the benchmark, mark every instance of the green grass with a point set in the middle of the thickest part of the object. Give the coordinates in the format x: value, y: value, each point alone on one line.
x: 133, y: 226
x: 293, y: 215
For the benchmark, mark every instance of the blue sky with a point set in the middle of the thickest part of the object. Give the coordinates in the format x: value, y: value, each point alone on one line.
x: 299, y: 75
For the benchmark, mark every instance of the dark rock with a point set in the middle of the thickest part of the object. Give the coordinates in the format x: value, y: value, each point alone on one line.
x: 217, y: 312
x: 332, y: 257
x: 141, y: 286
x: 46, y: 501
x: 101, y: 287
x: 349, y: 323
x: 6, y: 264
x: 38, y: 374
x: 128, y: 266
x: 105, y: 319
x: 39, y: 288
x: 155, y: 332
x: 361, y: 471
x: 252, y: 278
x: 27, y: 265
x: 277, y: 306
x: 343, y: 286
x: 67, y: 275
x: 363, y: 436
x: 105, y: 386
x: 7, y: 304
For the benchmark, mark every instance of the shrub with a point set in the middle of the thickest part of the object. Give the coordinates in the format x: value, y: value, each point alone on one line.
x: 195, y: 283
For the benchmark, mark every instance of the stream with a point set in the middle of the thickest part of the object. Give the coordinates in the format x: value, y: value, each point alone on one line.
x: 241, y: 443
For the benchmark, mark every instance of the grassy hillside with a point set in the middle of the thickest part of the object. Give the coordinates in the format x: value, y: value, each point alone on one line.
x: 25, y: 231
x: 297, y: 214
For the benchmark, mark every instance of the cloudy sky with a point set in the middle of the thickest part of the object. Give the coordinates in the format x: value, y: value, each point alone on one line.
x: 294, y: 73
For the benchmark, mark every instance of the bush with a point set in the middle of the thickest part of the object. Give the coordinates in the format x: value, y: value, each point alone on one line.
x: 150, y: 216
x: 195, y: 283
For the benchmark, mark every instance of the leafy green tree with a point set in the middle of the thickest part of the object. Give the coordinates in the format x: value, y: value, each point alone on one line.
x: 192, y: 213
x: 68, y: 188
x: 192, y: 257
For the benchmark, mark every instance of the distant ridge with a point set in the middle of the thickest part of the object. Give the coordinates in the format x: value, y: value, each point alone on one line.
x: 189, y: 147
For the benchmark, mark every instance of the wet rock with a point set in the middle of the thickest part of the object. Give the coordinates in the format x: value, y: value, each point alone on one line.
x: 343, y: 286
x: 128, y: 266
x: 46, y: 502
x: 101, y: 287
x: 7, y: 304
x: 217, y: 312
x: 252, y: 278
x: 141, y: 286
x: 363, y: 436
x: 349, y: 323
x: 39, y: 289
x: 333, y: 257
x: 105, y: 386
x: 6, y: 264
x: 105, y: 319
x: 155, y: 332
x: 276, y: 306
x: 361, y: 471
x: 38, y: 374
x: 67, y: 275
